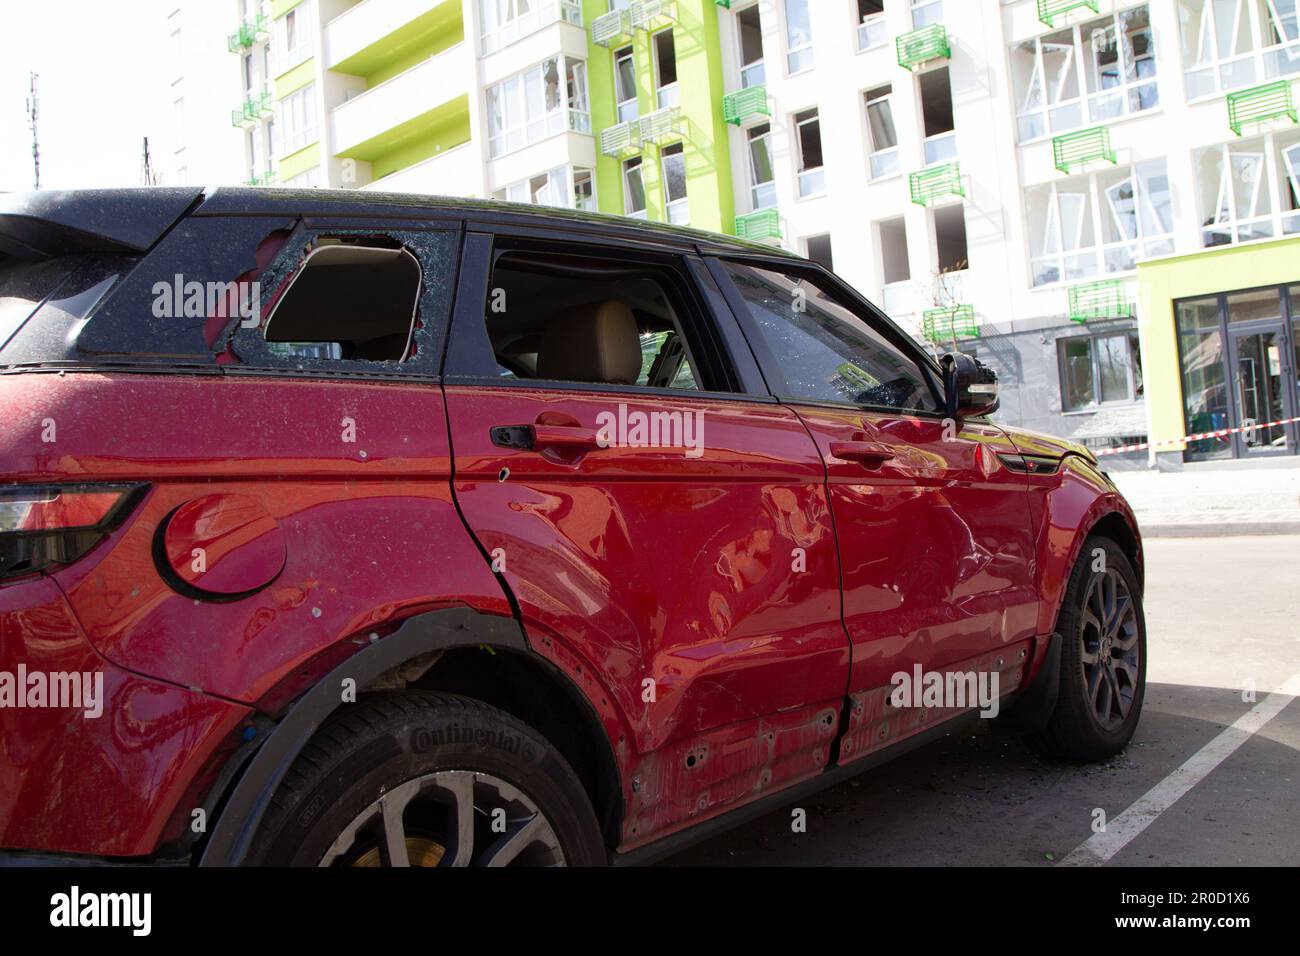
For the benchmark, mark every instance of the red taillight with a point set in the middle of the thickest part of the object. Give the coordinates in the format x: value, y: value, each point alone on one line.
x: 48, y: 525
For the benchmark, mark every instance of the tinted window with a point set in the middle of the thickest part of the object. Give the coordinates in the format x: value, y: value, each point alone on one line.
x: 826, y: 351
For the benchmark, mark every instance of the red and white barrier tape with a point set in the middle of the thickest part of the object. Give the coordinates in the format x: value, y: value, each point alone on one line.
x: 1122, y: 449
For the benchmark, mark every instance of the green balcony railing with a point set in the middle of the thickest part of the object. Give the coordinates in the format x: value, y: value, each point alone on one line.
x: 1099, y: 300
x: 1259, y: 104
x: 764, y: 224
x: 258, y: 107
x: 268, y: 179
x: 745, y: 104
x: 723, y: 3
x: 936, y: 182
x: 648, y: 14
x: 622, y: 139
x: 1072, y: 150
x: 923, y: 45
x: 250, y: 32
x: 950, y: 323
x: 607, y: 29
x: 1048, y: 10
x: 661, y: 126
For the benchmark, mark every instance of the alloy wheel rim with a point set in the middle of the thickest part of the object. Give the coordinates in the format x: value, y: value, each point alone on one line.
x: 448, y: 818
x: 1111, y: 652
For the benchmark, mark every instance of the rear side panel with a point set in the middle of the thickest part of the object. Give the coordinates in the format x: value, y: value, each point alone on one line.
x: 348, y: 483
x: 106, y: 771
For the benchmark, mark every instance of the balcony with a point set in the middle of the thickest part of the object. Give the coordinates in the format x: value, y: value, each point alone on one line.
x: 661, y: 126
x: 250, y: 33
x: 256, y: 108
x: 1099, y: 300
x: 950, y: 324
x: 621, y: 140
x: 1074, y: 150
x: 363, y: 39
x: 936, y: 182
x: 409, y: 99
x: 1049, y: 10
x: 610, y: 28
x: 923, y: 45
x: 744, y: 105
x: 760, y: 225
x: 269, y: 179
x: 652, y: 14
x: 1260, y: 104
x: 454, y: 172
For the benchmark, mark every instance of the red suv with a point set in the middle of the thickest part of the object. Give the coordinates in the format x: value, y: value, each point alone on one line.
x: 363, y: 529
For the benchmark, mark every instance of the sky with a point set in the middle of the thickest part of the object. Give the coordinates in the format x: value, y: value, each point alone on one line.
x: 100, y: 89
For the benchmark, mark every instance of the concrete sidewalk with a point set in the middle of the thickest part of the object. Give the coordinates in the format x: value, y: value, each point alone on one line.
x: 1216, y: 498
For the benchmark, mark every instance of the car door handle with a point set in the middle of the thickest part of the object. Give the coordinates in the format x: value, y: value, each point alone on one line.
x: 868, y: 453
x: 539, y: 437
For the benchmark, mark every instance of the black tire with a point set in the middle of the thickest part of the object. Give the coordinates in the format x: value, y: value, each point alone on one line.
x: 1087, y: 726
x: 367, y: 750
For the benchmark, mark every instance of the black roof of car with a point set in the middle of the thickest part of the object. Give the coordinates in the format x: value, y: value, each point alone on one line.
x: 42, y: 224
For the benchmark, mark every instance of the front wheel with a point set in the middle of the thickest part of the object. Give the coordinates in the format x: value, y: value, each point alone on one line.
x: 1103, y: 657
x: 425, y: 779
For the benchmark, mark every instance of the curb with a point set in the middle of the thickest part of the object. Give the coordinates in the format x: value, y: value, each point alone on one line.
x: 1223, y: 530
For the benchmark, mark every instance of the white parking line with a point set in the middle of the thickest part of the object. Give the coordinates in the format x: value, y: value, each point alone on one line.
x: 1120, y: 831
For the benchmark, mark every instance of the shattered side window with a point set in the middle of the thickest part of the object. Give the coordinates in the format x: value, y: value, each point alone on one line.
x: 354, y: 301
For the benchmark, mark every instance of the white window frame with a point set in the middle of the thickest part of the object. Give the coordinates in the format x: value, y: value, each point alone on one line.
x: 678, y: 210
x: 562, y: 183
x: 670, y: 94
x: 1278, y: 157
x: 627, y: 107
x: 753, y: 73
x: 812, y: 181
x: 505, y: 21
x: 513, y: 94
x: 926, y: 12
x: 625, y: 169
x: 304, y: 28
x: 1087, y: 105
x: 872, y: 31
x: 759, y: 191
x: 1074, y: 257
x: 1266, y: 61
x: 799, y: 56
x: 882, y: 163
x: 298, y: 120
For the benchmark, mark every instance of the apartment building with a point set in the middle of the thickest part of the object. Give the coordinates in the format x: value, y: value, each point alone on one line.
x: 1101, y: 198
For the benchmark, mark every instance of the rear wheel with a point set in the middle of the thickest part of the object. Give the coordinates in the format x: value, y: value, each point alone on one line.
x: 423, y: 779
x: 1103, y: 657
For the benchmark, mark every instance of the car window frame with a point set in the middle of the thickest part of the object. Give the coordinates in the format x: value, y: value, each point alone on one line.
x: 429, y: 333
x: 708, y: 324
x: 849, y: 298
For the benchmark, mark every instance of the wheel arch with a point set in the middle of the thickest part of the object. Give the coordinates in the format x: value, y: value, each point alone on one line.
x: 417, y: 639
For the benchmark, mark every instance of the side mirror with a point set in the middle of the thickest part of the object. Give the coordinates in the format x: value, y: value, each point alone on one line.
x: 970, y: 387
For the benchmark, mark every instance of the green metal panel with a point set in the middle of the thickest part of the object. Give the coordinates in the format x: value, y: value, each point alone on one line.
x: 1071, y: 150
x: 947, y: 324
x: 1259, y: 104
x: 920, y: 46
x: 1099, y: 300
x: 764, y: 224
x: 936, y: 182
x: 1050, y: 9
x: 745, y: 104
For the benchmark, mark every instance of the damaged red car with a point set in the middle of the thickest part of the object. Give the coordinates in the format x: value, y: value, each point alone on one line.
x: 347, y: 529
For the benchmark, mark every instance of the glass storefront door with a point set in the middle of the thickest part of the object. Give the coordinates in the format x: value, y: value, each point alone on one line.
x: 1259, y: 390
x: 1239, y: 353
